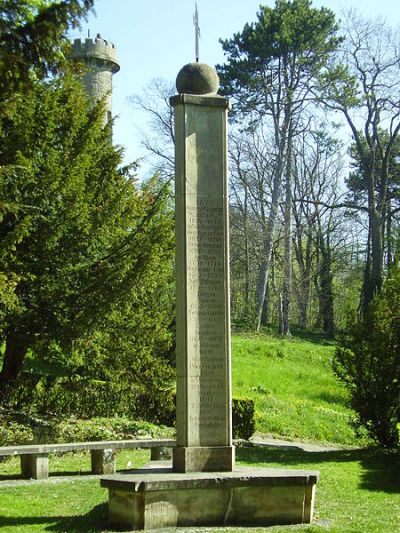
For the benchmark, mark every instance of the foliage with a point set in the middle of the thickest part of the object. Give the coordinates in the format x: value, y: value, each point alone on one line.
x: 100, y: 428
x: 85, y: 399
x: 32, y: 37
x: 86, y: 251
x: 86, y: 275
x: 12, y: 433
x: 17, y: 428
x: 272, y: 73
x: 292, y: 38
x: 368, y: 362
x: 368, y: 100
x: 243, y: 423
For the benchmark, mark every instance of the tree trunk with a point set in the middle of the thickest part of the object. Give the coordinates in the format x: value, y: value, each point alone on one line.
x: 303, y: 256
x: 389, y: 237
x: 326, y: 288
x: 269, y: 235
x: 268, y: 243
x: 246, y: 248
x: 373, y: 278
x: 14, y: 355
x: 287, y: 266
x: 265, y: 311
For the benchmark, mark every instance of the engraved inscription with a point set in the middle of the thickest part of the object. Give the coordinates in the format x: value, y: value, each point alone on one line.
x: 206, y: 318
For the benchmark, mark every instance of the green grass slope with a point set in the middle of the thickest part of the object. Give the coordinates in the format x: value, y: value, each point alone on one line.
x: 296, y: 394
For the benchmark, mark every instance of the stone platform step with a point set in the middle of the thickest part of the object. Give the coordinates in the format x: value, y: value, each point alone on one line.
x: 157, y: 497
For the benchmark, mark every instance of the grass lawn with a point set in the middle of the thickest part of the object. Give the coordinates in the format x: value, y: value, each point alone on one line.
x: 296, y: 394
x: 296, y: 397
x: 359, y: 492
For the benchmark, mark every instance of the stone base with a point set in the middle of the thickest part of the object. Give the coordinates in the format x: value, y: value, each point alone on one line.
x: 159, y: 498
x: 35, y: 466
x: 103, y: 461
x: 203, y: 459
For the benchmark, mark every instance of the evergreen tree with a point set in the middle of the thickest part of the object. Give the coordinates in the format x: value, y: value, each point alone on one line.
x: 77, y: 234
x: 32, y: 38
x: 368, y: 362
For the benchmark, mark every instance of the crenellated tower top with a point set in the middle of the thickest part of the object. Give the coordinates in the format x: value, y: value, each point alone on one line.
x: 100, y: 58
x: 99, y: 50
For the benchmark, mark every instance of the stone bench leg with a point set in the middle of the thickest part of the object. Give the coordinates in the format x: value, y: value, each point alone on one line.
x: 160, y: 453
x: 103, y: 461
x: 35, y: 466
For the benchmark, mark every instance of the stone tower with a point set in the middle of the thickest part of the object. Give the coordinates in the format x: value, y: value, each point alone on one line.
x: 100, y: 57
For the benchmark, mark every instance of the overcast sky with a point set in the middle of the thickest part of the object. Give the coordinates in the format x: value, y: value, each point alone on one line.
x: 155, y: 38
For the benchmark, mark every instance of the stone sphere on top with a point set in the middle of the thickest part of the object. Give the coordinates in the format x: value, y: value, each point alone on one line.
x: 197, y: 78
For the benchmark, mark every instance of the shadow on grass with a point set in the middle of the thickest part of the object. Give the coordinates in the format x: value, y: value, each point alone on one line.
x: 332, y: 398
x: 380, y: 470
x: 95, y: 520
x: 63, y: 473
x: 312, y: 336
x: 316, y: 337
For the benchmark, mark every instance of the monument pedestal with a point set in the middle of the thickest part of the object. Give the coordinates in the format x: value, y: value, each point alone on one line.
x: 204, y: 458
x: 158, y: 498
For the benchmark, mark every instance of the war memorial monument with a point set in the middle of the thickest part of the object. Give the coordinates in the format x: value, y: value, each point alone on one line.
x: 203, y: 487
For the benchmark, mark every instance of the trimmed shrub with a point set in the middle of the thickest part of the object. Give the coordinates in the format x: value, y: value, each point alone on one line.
x: 16, y: 428
x: 368, y: 362
x: 13, y: 433
x: 83, y: 398
x: 99, y: 428
x: 243, y: 418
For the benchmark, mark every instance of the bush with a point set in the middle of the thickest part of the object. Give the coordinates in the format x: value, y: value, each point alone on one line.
x: 99, y: 428
x: 17, y: 428
x: 86, y: 398
x: 368, y: 362
x: 13, y: 433
x: 243, y: 418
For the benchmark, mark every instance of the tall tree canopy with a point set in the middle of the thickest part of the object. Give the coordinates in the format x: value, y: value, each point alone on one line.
x: 272, y: 73
x: 368, y: 100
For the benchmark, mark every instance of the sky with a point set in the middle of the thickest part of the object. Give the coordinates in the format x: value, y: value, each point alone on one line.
x: 155, y: 38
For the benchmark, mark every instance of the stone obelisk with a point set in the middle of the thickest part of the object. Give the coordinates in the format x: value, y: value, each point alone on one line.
x: 204, y: 436
x: 202, y: 488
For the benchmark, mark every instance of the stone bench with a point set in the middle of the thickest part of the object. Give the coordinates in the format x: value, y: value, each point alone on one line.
x: 35, y: 457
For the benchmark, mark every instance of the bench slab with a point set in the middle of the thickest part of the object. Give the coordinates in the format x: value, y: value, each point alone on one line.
x: 28, y: 449
x: 35, y: 457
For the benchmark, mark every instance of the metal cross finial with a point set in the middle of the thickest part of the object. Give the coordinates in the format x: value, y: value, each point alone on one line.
x: 197, y: 31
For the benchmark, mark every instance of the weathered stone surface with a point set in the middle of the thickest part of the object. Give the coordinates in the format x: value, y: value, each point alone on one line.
x: 34, y: 449
x: 103, y: 461
x: 100, y: 58
x: 160, y: 453
x: 202, y: 272
x: 35, y: 466
x: 197, y: 78
x: 35, y: 462
x: 155, y: 499
x: 204, y: 458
